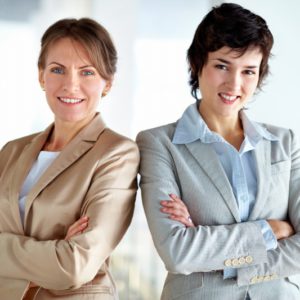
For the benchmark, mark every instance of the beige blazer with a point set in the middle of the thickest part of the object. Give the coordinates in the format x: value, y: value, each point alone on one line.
x: 195, y: 257
x: 95, y: 175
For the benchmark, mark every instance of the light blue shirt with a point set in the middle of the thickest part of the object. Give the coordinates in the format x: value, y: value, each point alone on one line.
x: 239, y: 166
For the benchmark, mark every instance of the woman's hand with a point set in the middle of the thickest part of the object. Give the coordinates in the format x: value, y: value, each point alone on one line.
x: 78, y: 227
x: 177, y: 210
x: 281, y: 229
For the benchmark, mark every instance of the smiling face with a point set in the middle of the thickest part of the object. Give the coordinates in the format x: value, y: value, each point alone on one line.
x: 72, y: 84
x: 227, y: 81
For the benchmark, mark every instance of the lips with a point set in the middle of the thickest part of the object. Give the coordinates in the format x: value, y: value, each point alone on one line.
x: 228, y: 99
x: 70, y: 100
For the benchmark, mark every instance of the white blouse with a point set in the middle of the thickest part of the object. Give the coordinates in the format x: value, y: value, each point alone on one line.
x: 43, y: 161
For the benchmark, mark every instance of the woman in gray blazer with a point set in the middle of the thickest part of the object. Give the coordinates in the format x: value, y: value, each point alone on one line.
x: 235, y: 234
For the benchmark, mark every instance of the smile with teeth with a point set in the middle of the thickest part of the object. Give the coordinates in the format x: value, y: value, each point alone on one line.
x: 228, y: 98
x: 70, y: 100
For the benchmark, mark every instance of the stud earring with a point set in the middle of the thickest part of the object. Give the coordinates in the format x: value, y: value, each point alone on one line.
x: 104, y: 93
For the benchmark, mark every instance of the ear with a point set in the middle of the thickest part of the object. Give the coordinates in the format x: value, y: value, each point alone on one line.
x: 107, y: 88
x: 41, y: 78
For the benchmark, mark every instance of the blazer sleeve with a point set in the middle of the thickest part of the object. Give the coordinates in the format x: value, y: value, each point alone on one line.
x: 109, y: 204
x: 187, y: 250
x: 284, y: 260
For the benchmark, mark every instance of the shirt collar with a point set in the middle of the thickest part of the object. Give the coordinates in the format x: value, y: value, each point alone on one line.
x: 191, y: 127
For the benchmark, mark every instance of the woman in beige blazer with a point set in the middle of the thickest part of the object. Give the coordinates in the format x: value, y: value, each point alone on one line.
x: 236, y: 233
x: 67, y: 194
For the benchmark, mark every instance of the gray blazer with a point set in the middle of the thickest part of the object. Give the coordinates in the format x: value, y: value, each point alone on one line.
x: 195, y: 257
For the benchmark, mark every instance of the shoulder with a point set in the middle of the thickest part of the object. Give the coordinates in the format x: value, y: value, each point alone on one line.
x: 161, y: 133
x: 115, y: 143
x: 285, y: 136
x: 276, y: 130
x: 12, y: 150
x: 286, y: 143
x: 19, y: 143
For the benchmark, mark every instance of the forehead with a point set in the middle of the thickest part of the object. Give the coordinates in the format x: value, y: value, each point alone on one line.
x: 67, y: 49
x: 252, y: 56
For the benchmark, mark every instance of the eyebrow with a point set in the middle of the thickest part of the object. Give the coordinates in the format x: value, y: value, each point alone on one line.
x: 229, y: 63
x: 82, y: 67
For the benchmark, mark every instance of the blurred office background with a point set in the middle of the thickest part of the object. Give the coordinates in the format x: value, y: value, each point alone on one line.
x: 150, y: 87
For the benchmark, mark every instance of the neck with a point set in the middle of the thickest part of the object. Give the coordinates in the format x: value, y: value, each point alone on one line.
x: 63, y: 133
x: 230, y: 128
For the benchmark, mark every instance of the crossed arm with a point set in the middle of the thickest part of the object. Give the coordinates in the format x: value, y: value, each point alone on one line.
x: 177, y: 210
x: 76, y: 228
x: 75, y: 260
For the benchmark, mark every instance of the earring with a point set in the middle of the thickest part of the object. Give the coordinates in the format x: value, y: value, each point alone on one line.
x: 104, y: 93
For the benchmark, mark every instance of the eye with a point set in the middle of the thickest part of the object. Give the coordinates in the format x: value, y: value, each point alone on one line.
x: 88, y: 72
x: 221, y: 67
x: 57, y: 70
x: 249, y: 72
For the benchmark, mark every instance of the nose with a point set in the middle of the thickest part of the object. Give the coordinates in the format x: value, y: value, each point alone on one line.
x: 71, y: 82
x: 234, y: 81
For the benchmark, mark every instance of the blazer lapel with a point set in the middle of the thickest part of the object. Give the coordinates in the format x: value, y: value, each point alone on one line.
x: 209, y: 162
x: 23, y: 165
x: 262, y: 155
x: 80, y: 144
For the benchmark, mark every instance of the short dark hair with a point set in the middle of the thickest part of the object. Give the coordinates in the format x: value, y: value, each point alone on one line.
x: 233, y: 26
x: 91, y: 35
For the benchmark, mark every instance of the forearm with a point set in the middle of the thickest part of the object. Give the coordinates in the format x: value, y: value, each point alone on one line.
x: 206, y: 248
x: 281, y: 262
x: 50, y: 264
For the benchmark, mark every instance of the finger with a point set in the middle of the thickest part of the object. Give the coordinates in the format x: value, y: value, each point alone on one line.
x: 174, y: 211
x: 78, y: 223
x: 77, y: 230
x: 77, y: 227
x: 185, y: 221
x: 175, y: 198
x: 172, y: 204
x: 175, y: 204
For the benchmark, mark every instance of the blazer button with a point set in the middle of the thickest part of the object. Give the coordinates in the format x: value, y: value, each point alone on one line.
x: 242, y: 260
x: 267, y: 278
x: 260, y: 278
x: 235, y: 262
x: 249, y: 259
x: 253, y: 280
x: 227, y: 262
x: 273, y: 276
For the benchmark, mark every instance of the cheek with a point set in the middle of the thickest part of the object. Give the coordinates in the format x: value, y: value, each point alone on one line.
x: 212, y: 77
x: 94, y: 88
x: 251, y: 85
x: 51, y: 84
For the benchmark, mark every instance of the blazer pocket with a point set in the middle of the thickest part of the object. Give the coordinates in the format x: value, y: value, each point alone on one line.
x: 280, y: 167
x: 178, y: 285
